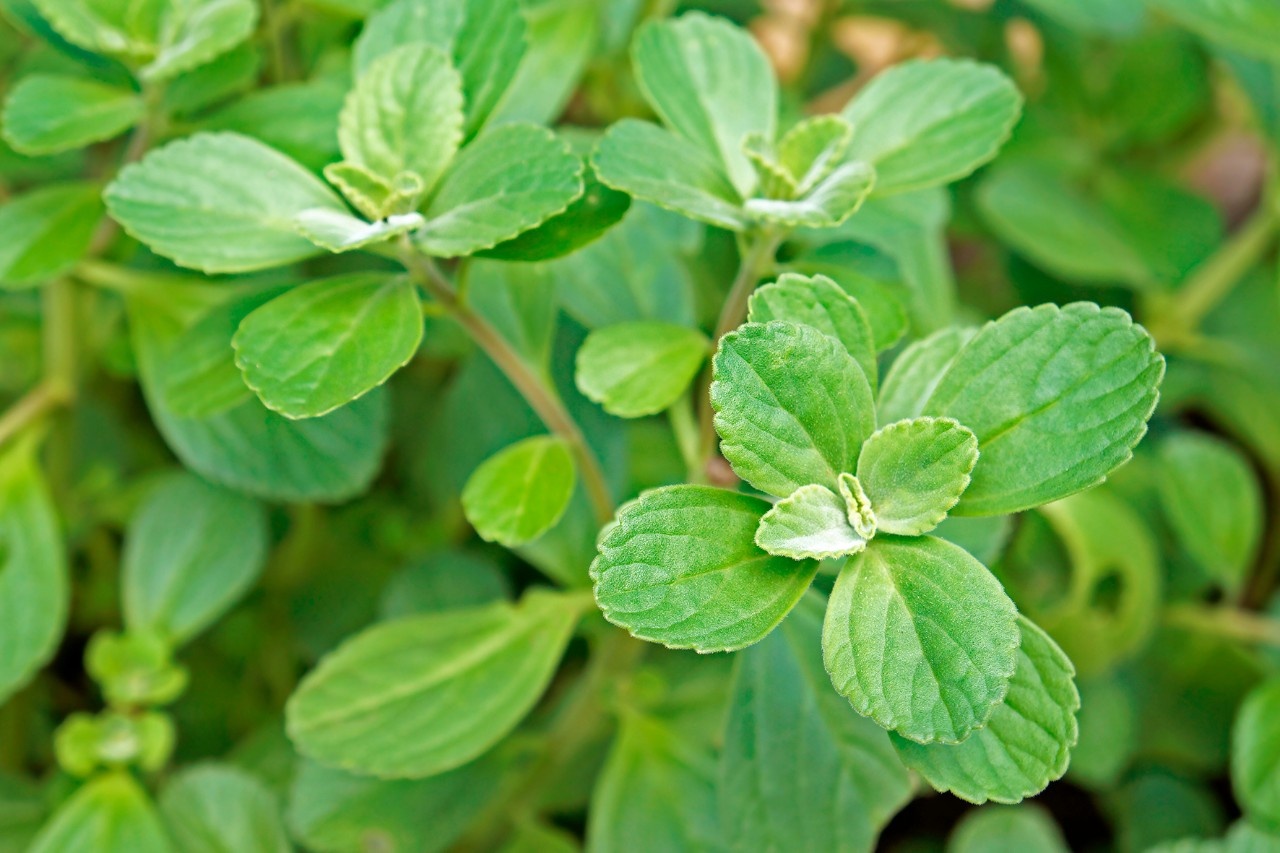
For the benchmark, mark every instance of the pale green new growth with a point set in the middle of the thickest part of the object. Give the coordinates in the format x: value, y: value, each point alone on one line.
x: 342, y: 232
x: 811, y: 150
x: 828, y: 204
x: 638, y: 369
x: 812, y: 523
x: 857, y: 506
x: 48, y: 113
x: 520, y: 493
x: 914, y: 471
x: 1025, y: 745
x: 111, y: 812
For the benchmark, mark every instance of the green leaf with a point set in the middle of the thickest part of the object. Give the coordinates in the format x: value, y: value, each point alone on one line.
x: 297, y: 119
x: 800, y: 770
x: 711, y: 83
x: 447, y: 580
x: 1007, y: 829
x: 792, y: 406
x: 342, y: 232
x: 657, y: 166
x: 191, y: 552
x: 819, y: 302
x: 930, y: 122
x: 833, y: 200
x: 638, y: 369
x: 1214, y: 503
x: 194, y: 32
x: 680, y: 567
x: 1255, y: 749
x: 921, y: 638
x: 326, y: 343
x: 111, y: 812
x: 1057, y: 397
x: 509, y: 180
x: 1025, y: 744
x: 404, y: 115
x: 217, y: 808
x: 812, y: 149
x: 521, y: 492
x: 915, y: 471
x: 916, y: 372
x: 385, y: 703
x: 1248, y: 26
x: 47, y: 231
x: 109, y: 28
x: 134, y: 669
x: 810, y: 524
x: 48, y: 113
x: 219, y: 202
x: 33, y: 570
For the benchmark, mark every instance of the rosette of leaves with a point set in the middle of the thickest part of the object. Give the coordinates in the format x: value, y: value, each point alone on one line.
x: 918, y: 635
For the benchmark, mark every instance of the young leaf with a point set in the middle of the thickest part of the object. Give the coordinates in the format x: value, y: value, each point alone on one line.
x: 521, y: 492
x: 638, y: 369
x: 193, y: 32
x: 1057, y: 397
x: 916, y: 372
x: 324, y: 344
x: 404, y: 115
x: 792, y: 406
x: 47, y: 231
x: 33, y: 570
x: 111, y: 812
x: 219, y: 202
x: 1255, y: 748
x: 810, y: 524
x: 1026, y: 829
x: 800, y: 770
x: 712, y: 84
x: 1025, y: 744
x: 930, y: 122
x: 211, y: 808
x: 385, y: 703
x: 342, y: 232
x: 191, y: 551
x: 48, y: 113
x: 509, y: 180
x: 921, y: 638
x: 833, y: 200
x: 680, y: 567
x: 812, y: 149
x: 914, y: 471
x: 819, y: 302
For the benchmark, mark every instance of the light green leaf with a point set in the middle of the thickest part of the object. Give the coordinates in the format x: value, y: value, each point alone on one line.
x: 657, y: 166
x: 1248, y: 26
x: 812, y: 149
x: 217, y: 808
x: 385, y: 703
x: 297, y: 119
x: 921, y: 638
x: 373, y: 195
x: 406, y: 22
x: 47, y: 231
x: 711, y: 83
x: 1213, y: 501
x: 833, y: 200
x: 930, y: 122
x: 342, y: 232
x: 792, y: 406
x: 191, y: 552
x: 48, y: 113
x: 810, y: 524
x: 1025, y: 744
x: 680, y: 567
x: 111, y: 812
x: 1007, y: 829
x: 916, y: 372
x: 128, y: 29
x: 800, y: 770
x: 404, y: 115
x: 1255, y: 750
x: 819, y: 302
x: 509, y: 180
x: 520, y: 493
x: 914, y: 471
x: 219, y: 202
x: 33, y: 570
x: 638, y: 369
x: 324, y: 344
x: 1057, y: 397
x: 193, y: 32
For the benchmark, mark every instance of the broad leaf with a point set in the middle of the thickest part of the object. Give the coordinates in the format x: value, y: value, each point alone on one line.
x: 638, y: 369
x: 111, y: 812
x: 1026, y: 743
x: 217, y: 808
x: 196, y: 31
x: 192, y: 551
x: 33, y: 570
x: 921, y: 638
x: 509, y: 180
x: 712, y: 84
x: 324, y: 344
x: 1255, y: 749
x: 47, y: 231
x: 915, y: 471
x: 48, y: 113
x: 792, y: 406
x: 680, y: 567
x: 800, y: 770
x: 1057, y: 397
x: 811, y: 523
x: 916, y: 372
x: 521, y: 492
x: 110, y: 28
x: 385, y: 703
x: 1248, y: 26
x: 1010, y: 829
x: 833, y: 200
x: 219, y: 202
x: 930, y: 122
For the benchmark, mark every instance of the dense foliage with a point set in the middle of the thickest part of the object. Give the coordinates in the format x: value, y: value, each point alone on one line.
x: 543, y: 425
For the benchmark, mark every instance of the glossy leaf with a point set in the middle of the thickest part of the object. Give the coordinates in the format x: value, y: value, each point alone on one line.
x: 47, y: 231
x: 48, y: 113
x: 521, y: 492
x: 811, y: 523
x: 214, y: 808
x: 638, y: 369
x: 915, y: 471
x: 111, y: 812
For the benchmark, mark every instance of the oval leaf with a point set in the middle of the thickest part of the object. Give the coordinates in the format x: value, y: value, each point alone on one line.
x: 48, y: 113
x: 811, y: 523
x: 914, y: 471
x: 520, y: 493
x: 638, y: 369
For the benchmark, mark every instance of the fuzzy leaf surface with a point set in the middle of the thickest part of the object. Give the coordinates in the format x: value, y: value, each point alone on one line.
x: 829, y: 203
x: 916, y: 372
x: 915, y: 471
x: 812, y: 523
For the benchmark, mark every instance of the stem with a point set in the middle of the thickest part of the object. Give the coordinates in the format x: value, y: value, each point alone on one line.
x: 685, y: 427
x: 1223, y: 621
x: 37, y: 403
x: 542, y: 399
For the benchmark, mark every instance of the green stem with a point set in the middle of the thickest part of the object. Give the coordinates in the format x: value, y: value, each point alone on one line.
x: 1228, y: 622
x: 685, y: 426
x: 29, y: 409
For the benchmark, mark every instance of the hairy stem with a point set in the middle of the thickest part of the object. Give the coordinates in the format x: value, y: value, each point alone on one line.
x: 1224, y: 621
